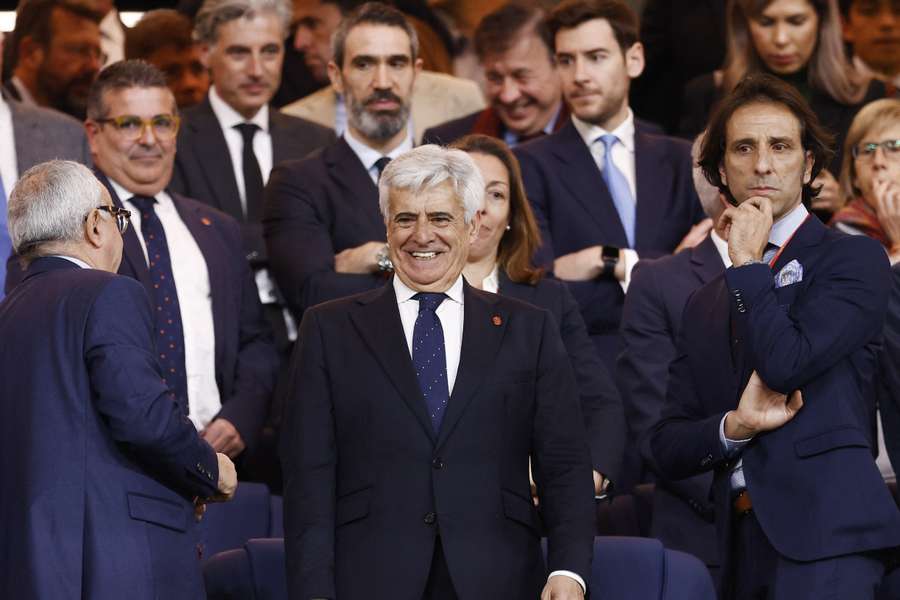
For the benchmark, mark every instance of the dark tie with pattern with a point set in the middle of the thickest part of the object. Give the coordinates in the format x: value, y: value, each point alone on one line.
x: 429, y: 357
x: 164, y: 297
x: 253, y: 181
x: 380, y: 164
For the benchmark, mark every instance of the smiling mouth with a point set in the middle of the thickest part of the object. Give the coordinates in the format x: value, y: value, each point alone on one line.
x: 424, y: 255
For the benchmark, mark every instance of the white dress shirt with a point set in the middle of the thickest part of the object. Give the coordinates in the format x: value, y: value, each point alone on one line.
x: 191, y: 277
x: 9, y: 171
x: 369, y: 156
x: 623, y: 158
x: 25, y: 96
x: 782, y: 231
x: 451, y: 313
x: 112, y: 38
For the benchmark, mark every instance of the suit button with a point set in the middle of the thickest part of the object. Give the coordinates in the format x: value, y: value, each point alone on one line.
x: 252, y: 255
x: 437, y: 463
x: 706, y: 460
x: 430, y: 518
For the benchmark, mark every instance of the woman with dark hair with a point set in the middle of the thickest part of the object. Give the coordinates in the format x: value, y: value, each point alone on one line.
x: 500, y: 262
x: 800, y: 42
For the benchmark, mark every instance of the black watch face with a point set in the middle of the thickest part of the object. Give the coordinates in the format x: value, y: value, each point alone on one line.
x: 610, y: 252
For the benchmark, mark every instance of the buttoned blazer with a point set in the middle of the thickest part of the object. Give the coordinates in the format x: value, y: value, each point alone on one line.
x: 246, y: 361
x: 204, y: 171
x: 369, y: 483
x: 819, y: 335
x: 99, y: 465
x: 315, y: 208
x: 574, y: 211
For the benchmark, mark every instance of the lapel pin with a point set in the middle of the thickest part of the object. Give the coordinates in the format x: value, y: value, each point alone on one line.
x: 206, y: 221
x: 497, y: 320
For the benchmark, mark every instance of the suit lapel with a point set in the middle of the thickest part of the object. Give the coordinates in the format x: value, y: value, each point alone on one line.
x: 132, y: 252
x: 650, y: 175
x: 279, y: 129
x: 215, y: 161
x: 706, y: 262
x: 345, y: 169
x: 378, y: 323
x: 484, y: 324
x: 580, y: 175
x: 808, y: 234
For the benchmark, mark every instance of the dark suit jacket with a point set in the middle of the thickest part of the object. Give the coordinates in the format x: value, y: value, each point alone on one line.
x: 815, y: 487
x: 651, y: 321
x: 203, y: 168
x: 368, y: 483
x: 42, y: 134
x: 888, y: 389
x: 99, y: 465
x: 601, y: 405
x: 315, y: 208
x: 574, y: 210
x: 246, y: 360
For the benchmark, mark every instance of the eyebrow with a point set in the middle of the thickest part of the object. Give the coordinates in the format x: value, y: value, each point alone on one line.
x: 381, y: 57
x: 587, y: 51
x: 770, y: 140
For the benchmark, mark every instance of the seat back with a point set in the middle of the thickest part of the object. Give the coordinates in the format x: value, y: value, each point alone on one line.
x: 228, y: 525
x: 254, y: 572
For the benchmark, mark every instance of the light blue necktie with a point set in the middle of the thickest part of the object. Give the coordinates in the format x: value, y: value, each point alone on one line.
x: 5, y: 242
x: 618, y: 188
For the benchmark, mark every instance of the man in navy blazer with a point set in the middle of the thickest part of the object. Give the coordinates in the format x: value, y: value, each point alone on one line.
x: 587, y: 240
x: 230, y: 363
x: 101, y: 470
x: 773, y: 391
x: 414, y: 410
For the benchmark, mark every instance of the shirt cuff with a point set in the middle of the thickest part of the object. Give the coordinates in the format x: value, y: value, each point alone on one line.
x: 730, y: 446
x: 630, y: 258
x: 570, y: 575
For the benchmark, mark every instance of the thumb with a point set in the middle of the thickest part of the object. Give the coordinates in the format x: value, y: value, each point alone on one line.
x: 795, y: 402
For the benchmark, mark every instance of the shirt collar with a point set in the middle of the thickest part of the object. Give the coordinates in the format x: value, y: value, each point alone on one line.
x: 722, y: 247
x: 784, y: 228
x: 125, y: 195
x: 491, y: 283
x: 512, y: 139
x: 25, y: 96
x: 624, y: 132
x: 228, y: 117
x: 404, y: 293
x: 369, y: 156
x: 72, y: 259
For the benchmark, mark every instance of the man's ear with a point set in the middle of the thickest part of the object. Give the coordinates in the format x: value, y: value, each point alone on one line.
x: 634, y: 60
x: 474, y: 224
x: 31, y: 53
x: 807, y: 170
x: 205, y: 50
x: 93, y: 233
x: 722, y: 175
x: 334, y: 75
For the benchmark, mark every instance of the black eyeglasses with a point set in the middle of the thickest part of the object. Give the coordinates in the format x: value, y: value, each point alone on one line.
x: 891, y: 149
x: 122, y: 215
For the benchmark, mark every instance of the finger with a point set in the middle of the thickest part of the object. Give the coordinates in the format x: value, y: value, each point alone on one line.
x: 765, y: 206
x: 795, y: 402
x: 213, y: 435
x: 704, y: 226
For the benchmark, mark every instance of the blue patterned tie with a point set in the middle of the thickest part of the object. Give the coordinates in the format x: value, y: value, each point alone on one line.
x: 429, y: 357
x: 5, y: 242
x: 167, y: 313
x: 618, y: 188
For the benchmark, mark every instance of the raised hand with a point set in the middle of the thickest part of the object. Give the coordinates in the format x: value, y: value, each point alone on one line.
x: 761, y: 409
x: 747, y: 229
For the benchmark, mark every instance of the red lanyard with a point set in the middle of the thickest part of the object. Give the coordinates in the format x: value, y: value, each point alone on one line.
x: 784, y: 245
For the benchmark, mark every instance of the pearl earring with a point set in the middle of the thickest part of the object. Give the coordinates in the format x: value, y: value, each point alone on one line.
x: 508, y: 228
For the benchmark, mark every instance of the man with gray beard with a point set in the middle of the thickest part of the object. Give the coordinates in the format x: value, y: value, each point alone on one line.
x: 323, y: 230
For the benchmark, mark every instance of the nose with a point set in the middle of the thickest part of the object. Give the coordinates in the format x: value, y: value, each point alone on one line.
x: 509, y: 91
x: 422, y: 233
x: 579, y: 70
x: 886, y: 17
x: 763, y: 164
x: 148, y: 136
x: 780, y: 35
x: 382, y: 79
x: 302, y: 38
x: 879, y: 159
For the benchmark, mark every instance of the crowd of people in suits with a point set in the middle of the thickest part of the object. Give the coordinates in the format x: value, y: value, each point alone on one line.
x: 444, y: 314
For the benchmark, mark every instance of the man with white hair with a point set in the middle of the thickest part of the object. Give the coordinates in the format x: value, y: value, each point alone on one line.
x: 101, y: 470
x: 414, y: 410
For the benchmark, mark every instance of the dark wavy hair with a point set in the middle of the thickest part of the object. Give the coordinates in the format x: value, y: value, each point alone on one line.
x: 523, y: 238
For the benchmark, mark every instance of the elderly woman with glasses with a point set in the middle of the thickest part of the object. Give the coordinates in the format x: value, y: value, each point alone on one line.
x: 500, y: 262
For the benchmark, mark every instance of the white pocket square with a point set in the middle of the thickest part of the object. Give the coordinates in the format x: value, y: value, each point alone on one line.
x: 789, y: 274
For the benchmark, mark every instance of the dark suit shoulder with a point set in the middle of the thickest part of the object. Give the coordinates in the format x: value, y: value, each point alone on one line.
x: 450, y: 131
x: 667, y: 263
x: 313, y: 133
x: 46, y: 116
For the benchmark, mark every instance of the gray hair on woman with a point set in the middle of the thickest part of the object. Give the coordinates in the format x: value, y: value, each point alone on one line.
x: 48, y: 205
x: 428, y: 167
x: 215, y: 13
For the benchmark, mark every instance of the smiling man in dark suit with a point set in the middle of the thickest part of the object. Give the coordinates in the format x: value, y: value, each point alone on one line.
x: 773, y: 393
x: 230, y: 142
x: 212, y: 337
x: 414, y: 410
x: 605, y: 192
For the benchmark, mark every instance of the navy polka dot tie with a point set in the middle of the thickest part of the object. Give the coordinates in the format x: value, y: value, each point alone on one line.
x: 164, y: 297
x: 429, y: 357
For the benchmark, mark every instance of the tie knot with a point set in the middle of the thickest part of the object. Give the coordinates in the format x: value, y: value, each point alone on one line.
x: 381, y: 163
x: 144, y: 203
x: 247, y: 131
x: 429, y: 301
x: 608, y: 140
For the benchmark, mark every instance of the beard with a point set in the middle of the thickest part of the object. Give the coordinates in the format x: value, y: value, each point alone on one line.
x: 69, y: 97
x: 380, y: 125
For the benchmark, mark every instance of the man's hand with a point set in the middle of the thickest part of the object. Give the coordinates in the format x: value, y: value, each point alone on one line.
x: 223, y: 437
x: 360, y: 260
x: 696, y: 235
x: 598, y: 483
x: 760, y: 409
x: 227, y: 479
x: 747, y: 229
x: 887, y: 208
x: 829, y: 197
x: 560, y: 587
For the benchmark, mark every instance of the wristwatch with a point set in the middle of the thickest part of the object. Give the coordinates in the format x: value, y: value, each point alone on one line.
x: 383, y: 259
x: 610, y: 258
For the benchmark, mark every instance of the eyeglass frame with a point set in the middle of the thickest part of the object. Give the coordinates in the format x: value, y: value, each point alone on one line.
x: 145, y: 123
x: 122, y: 216
x: 888, y: 148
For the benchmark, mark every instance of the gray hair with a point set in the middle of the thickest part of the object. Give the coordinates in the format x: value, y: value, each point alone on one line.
x: 372, y: 13
x: 49, y: 204
x: 428, y: 167
x: 215, y: 13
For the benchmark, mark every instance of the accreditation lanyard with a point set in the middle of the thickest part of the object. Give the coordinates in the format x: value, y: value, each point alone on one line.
x: 785, y: 244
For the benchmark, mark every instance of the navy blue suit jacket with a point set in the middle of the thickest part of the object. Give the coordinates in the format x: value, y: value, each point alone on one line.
x: 368, y: 483
x: 246, y: 359
x: 315, y: 208
x: 815, y: 487
x: 601, y: 405
x: 651, y: 322
x: 574, y: 211
x: 99, y: 464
